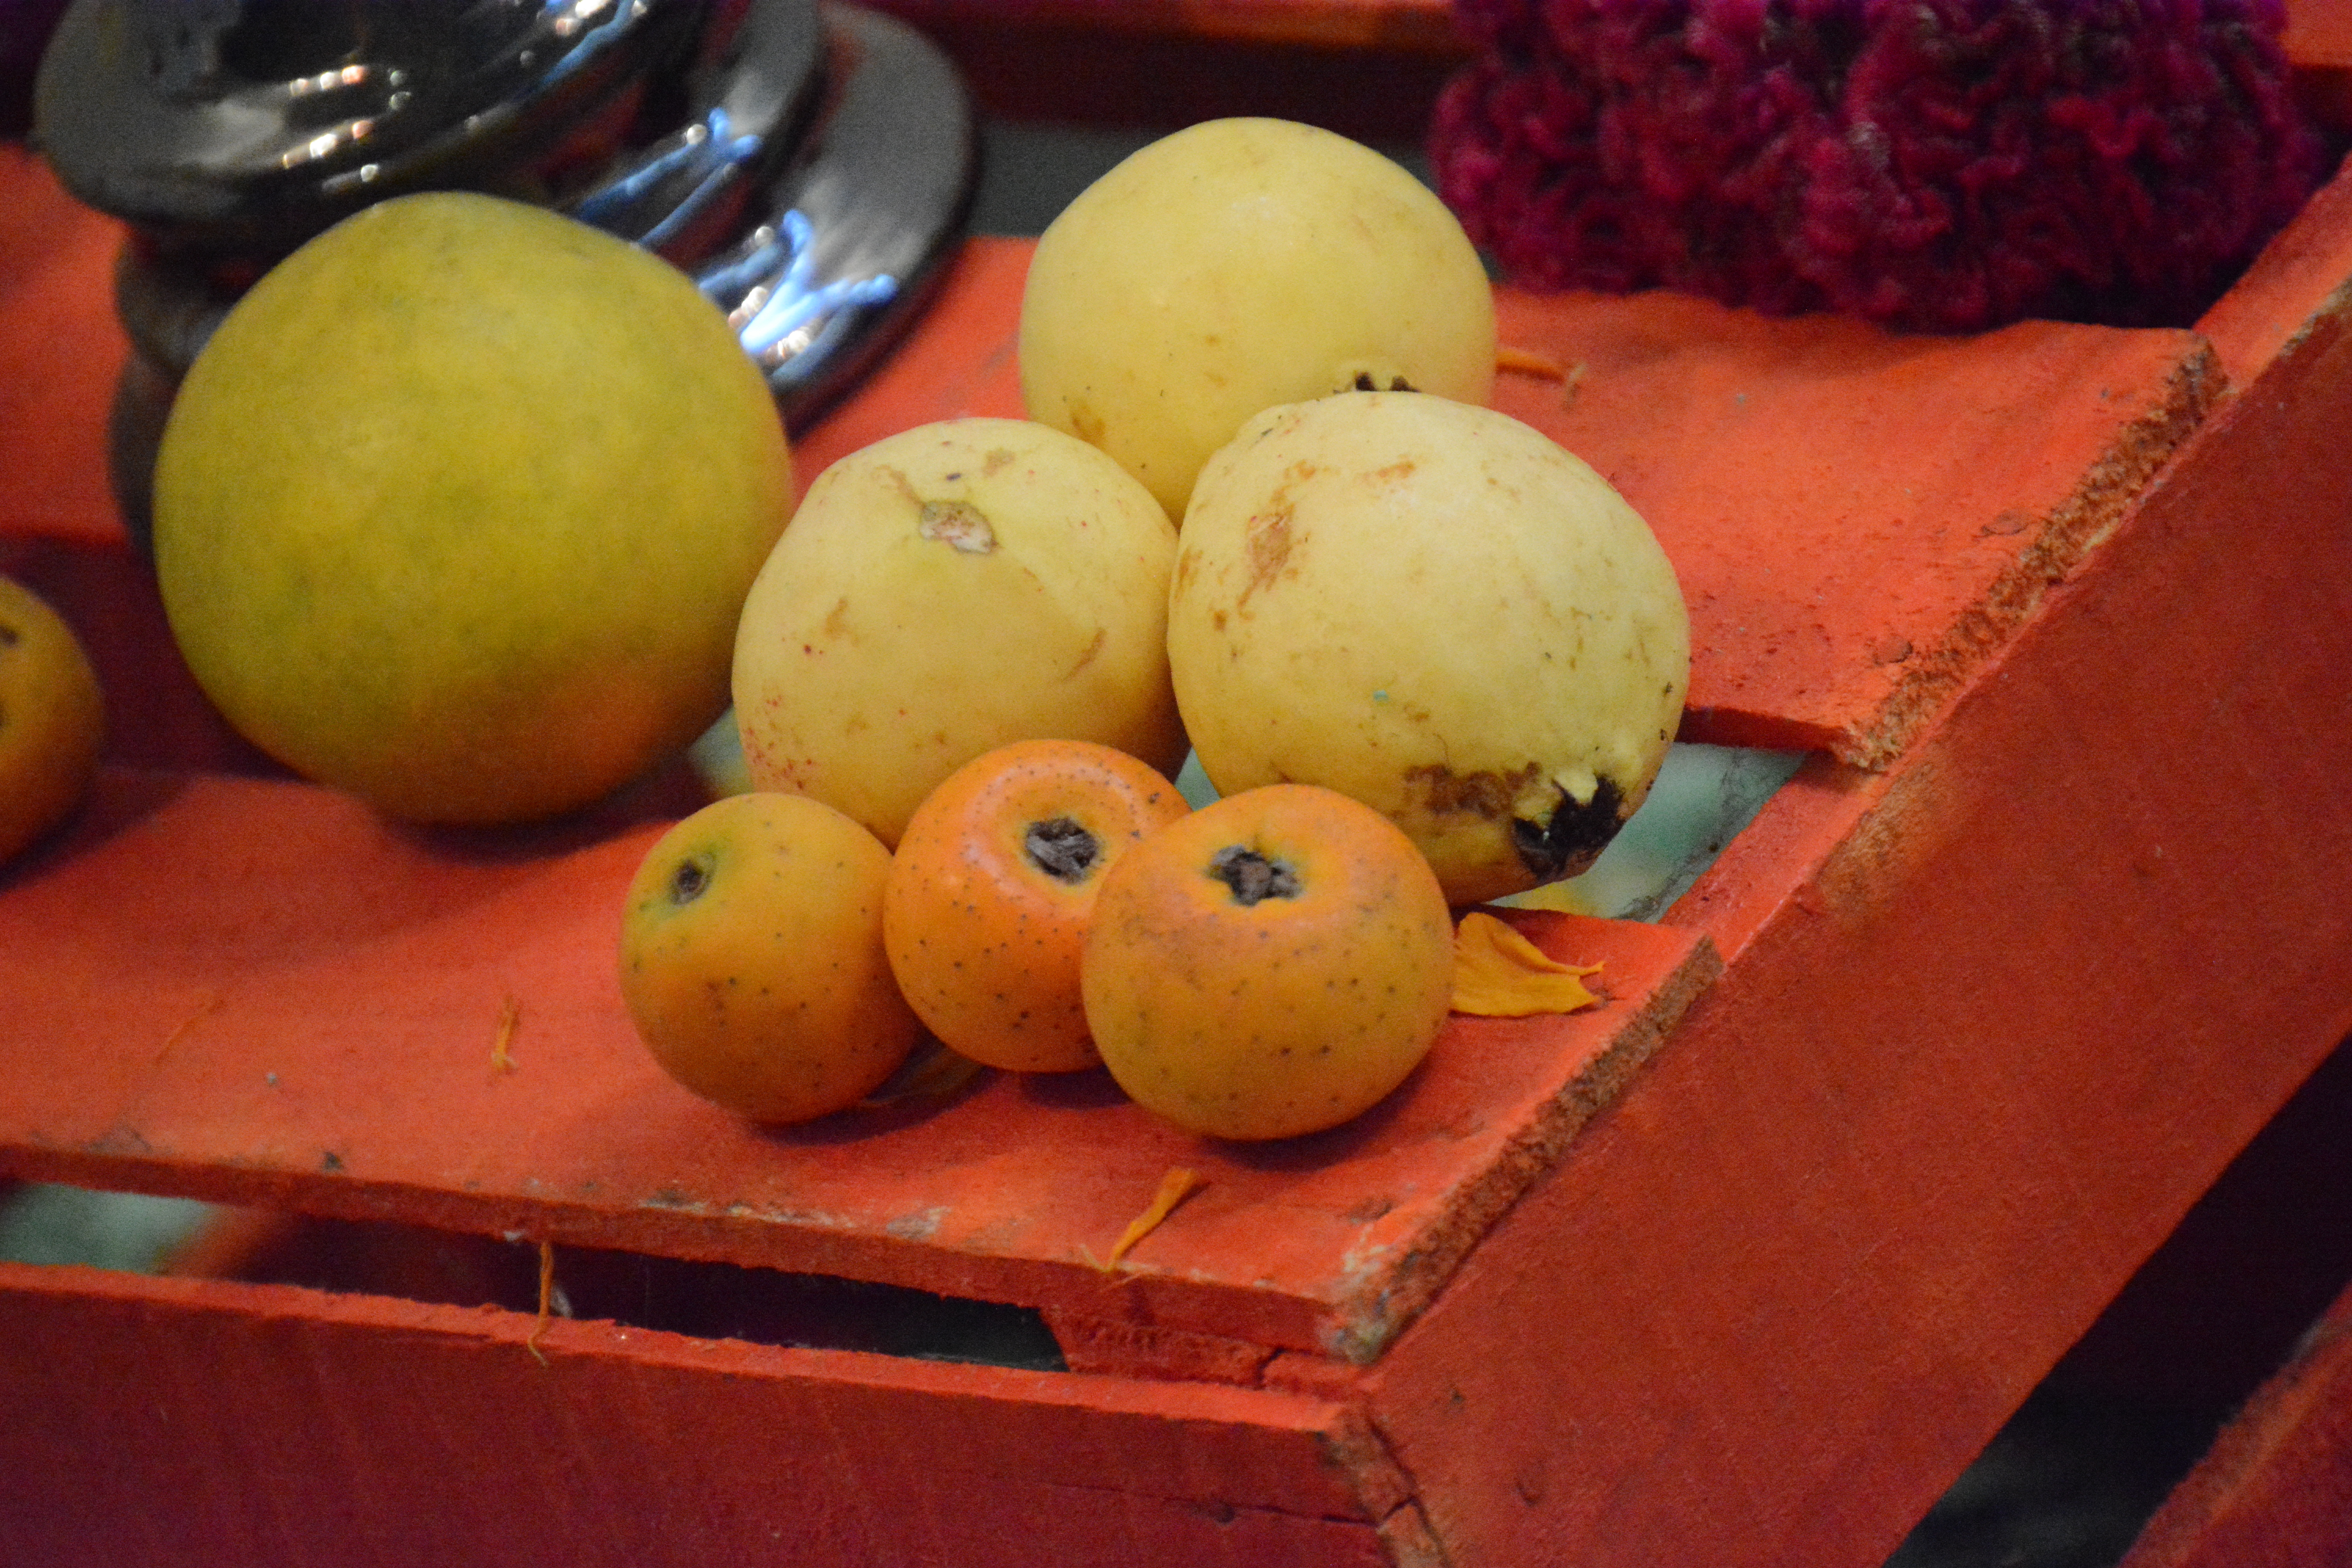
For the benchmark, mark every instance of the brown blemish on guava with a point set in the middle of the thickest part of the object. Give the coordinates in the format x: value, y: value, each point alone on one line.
x: 1269, y: 544
x: 957, y: 523
x: 1486, y: 793
x: 998, y: 458
x: 1271, y: 537
x: 836, y: 619
x: 1093, y: 650
x: 1085, y: 423
x: 1396, y: 472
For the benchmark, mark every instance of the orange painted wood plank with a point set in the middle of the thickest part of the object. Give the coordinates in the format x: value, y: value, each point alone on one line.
x: 169, y: 1421
x: 2277, y: 1486
x: 1857, y: 517
x: 2297, y: 277
x: 1418, y: 26
x: 1960, y: 1080
x: 2319, y: 32
x: 258, y: 992
x: 60, y: 351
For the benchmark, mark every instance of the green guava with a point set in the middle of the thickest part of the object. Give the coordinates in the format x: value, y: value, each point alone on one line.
x: 457, y: 508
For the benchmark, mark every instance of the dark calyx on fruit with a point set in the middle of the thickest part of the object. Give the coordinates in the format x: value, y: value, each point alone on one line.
x: 1062, y: 849
x: 690, y: 879
x: 1575, y: 834
x: 1252, y: 877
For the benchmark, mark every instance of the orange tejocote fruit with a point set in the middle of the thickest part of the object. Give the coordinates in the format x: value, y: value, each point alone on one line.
x: 1273, y: 964
x: 52, y: 719
x: 993, y: 887
x: 752, y: 961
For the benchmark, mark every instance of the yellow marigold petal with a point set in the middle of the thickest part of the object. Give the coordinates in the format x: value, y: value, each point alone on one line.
x: 1174, y: 1187
x: 1499, y: 974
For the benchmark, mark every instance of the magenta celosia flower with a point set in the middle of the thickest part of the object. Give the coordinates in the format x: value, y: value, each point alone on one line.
x: 1932, y: 164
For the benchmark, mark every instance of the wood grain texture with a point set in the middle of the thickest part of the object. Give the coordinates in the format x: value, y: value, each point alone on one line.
x: 167, y: 1422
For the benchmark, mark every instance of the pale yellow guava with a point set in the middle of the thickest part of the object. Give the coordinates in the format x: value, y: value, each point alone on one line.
x: 1436, y: 609
x: 1235, y: 265
x: 946, y: 591
x: 458, y: 507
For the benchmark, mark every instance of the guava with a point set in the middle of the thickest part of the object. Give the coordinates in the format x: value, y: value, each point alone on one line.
x: 946, y: 591
x: 1235, y: 265
x: 1438, y: 610
x: 459, y: 506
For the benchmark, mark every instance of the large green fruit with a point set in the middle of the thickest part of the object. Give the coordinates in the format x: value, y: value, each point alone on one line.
x: 1437, y: 610
x: 1235, y: 265
x: 458, y: 507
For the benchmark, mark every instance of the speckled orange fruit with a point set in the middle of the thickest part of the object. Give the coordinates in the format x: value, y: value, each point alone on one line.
x: 1275, y: 964
x: 992, y: 889
x: 751, y: 958
x: 52, y: 719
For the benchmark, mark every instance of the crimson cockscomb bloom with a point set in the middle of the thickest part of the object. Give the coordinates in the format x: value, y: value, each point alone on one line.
x: 1939, y: 165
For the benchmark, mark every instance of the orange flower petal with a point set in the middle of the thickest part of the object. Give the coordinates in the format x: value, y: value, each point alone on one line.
x: 1499, y: 974
x: 1174, y: 1187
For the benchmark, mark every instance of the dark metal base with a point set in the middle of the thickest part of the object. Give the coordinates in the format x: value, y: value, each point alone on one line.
x: 816, y: 169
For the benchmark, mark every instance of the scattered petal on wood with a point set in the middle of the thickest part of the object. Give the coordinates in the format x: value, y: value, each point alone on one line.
x: 1174, y: 1187
x: 1528, y: 361
x: 1499, y: 974
x: 1542, y: 366
x: 502, y: 1045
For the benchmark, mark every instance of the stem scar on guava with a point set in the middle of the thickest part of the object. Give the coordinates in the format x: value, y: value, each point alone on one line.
x: 1062, y: 849
x: 959, y: 523
x: 1252, y: 876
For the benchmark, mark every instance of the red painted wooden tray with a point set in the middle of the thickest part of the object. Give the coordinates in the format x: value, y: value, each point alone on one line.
x: 1743, y: 1266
